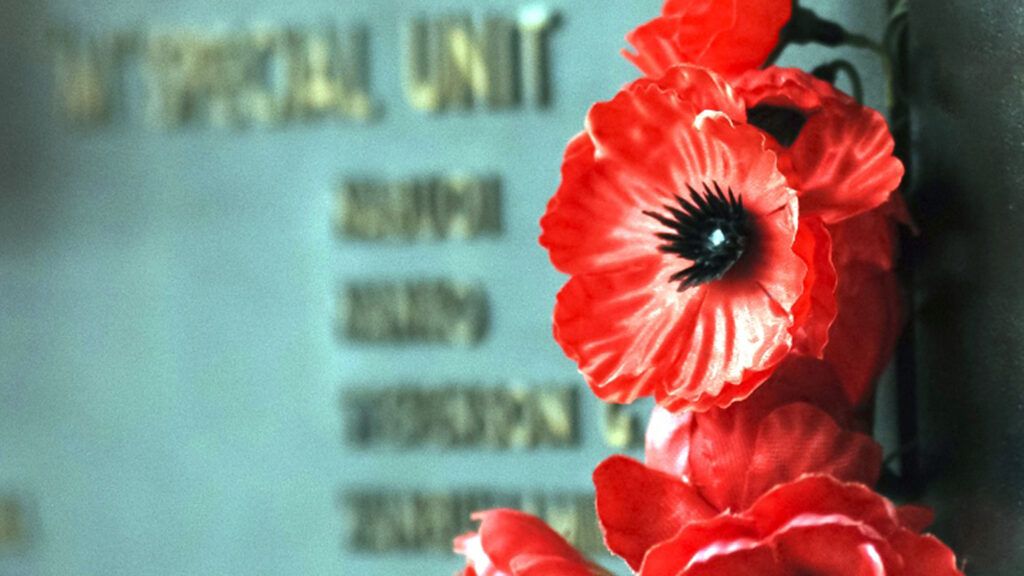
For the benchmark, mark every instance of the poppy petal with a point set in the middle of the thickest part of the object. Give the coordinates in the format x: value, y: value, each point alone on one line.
x: 836, y: 546
x: 870, y: 238
x: 638, y: 507
x: 507, y: 534
x: 866, y: 330
x: 842, y: 163
x: 816, y: 310
x: 699, y: 538
x: 800, y: 439
x: 619, y: 329
x: 722, y: 35
x: 667, y: 442
x: 924, y: 555
x: 760, y: 560
x: 915, y: 518
x: 552, y: 566
x: 822, y: 496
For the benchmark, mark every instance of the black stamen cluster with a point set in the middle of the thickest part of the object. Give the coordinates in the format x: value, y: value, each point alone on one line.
x: 711, y: 229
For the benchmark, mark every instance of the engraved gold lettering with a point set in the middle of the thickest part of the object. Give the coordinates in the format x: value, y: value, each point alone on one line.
x: 328, y: 74
x: 622, y: 427
x: 86, y: 76
x: 257, y: 77
x: 452, y: 63
x: 422, y: 311
x: 461, y: 416
x: 535, y: 26
x: 463, y: 80
x: 459, y: 207
x: 502, y: 62
x: 12, y: 522
x: 381, y: 521
x: 193, y: 76
x: 421, y: 69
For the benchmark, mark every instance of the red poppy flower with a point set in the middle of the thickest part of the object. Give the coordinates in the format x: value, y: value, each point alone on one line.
x: 836, y: 153
x: 838, y: 156
x: 511, y: 543
x: 815, y: 525
x: 728, y: 36
x: 701, y: 464
x: 688, y: 268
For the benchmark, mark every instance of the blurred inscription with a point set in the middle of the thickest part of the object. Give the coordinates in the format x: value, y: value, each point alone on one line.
x: 277, y: 74
x: 622, y: 426
x: 86, y: 75
x: 453, y: 63
x: 12, y: 522
x: 424, y: 208
x: 385, y: 521
x: 257, y: 77
x: 414, y: 311
x: 461, y: 416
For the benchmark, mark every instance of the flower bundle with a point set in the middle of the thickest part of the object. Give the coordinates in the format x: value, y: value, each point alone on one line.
x: 730, y: 233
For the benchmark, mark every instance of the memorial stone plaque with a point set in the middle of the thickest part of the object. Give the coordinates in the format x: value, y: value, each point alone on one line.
x: 271, y: 293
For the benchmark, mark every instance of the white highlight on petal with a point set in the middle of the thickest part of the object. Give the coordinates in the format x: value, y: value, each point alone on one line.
x: 707, y: 115
x: 721, y: 548
x: 478, y: 559
x: 877, y: 567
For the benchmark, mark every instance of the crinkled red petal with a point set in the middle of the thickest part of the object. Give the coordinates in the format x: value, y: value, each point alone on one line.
x: 866, y: 330
x: 509, y: 534
x: 703, y: 90
x: 667, y: 442
x: 638, y: 507
x: 552, y: 566
x: 815, y: 311
x: 842, y: 162
x: 787, y: 88
x: 924, y: 555
x: 800, y: 439
x: 836, y: 546
x: 822, y: 496
x: 870, y: 238
x: 915, y: 518
x: 759, y: 560
x: 620, y: 331
x: 731, y: 450
x: 724, y: 35
x: 705, y: 538
x: 680, y: 35
x: 752, y: 38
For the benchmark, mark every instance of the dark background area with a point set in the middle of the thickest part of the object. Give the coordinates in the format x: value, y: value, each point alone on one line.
x: 967, y: 65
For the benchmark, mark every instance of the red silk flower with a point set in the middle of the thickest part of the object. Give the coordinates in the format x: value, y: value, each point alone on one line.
x: 512, y: 543
x: 815, y: 525
x: 701, y: 464
x: 728, y: 36
x: 690, y: 278
x: 836, y: 153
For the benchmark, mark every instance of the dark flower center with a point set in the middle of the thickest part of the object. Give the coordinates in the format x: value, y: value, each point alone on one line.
x: 710, y: 229
x: 784, y: 124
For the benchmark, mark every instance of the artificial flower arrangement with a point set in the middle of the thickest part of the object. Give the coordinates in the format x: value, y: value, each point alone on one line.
x: 730, y: 230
